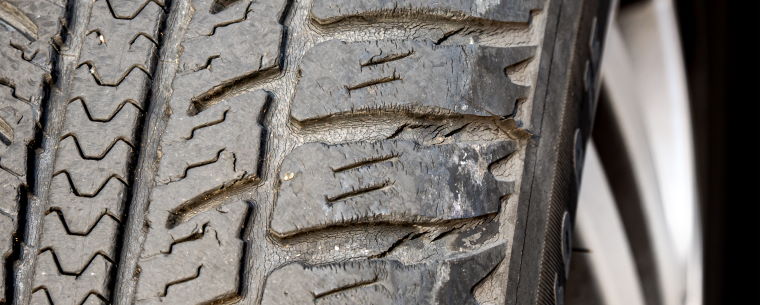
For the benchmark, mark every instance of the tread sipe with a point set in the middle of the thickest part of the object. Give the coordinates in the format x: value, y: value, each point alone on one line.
x: 292, y: 152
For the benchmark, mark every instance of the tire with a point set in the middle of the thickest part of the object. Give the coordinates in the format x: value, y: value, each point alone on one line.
x: 292, y: 152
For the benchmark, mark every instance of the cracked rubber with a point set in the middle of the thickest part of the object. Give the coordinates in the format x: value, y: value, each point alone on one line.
x: 291, y: 152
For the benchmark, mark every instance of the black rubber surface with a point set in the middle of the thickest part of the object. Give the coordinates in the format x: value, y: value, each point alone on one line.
x: 292, y: 152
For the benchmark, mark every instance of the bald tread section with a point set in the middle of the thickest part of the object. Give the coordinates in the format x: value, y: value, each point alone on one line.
x: 393, y: 75
x: 382, y: 281
x: 29, y: 29
x: 389, y: 181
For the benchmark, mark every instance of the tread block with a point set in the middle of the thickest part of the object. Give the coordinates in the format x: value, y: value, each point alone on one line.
x: 71, y: 289
x: 132, y: 41
x: 390, y: 181
x: 77, y: 250
x: 81, y: 214
x: 103, y: 103
x: 383, y: 281
x: 175, y: 203
x: 233, y: 125
x: 330, y: 11
x: 90, y: 135
x: 204, y: 155
x: 216, y: 58
x: 89, y: 176
x: 391, y: 75
x: 198, y: 263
